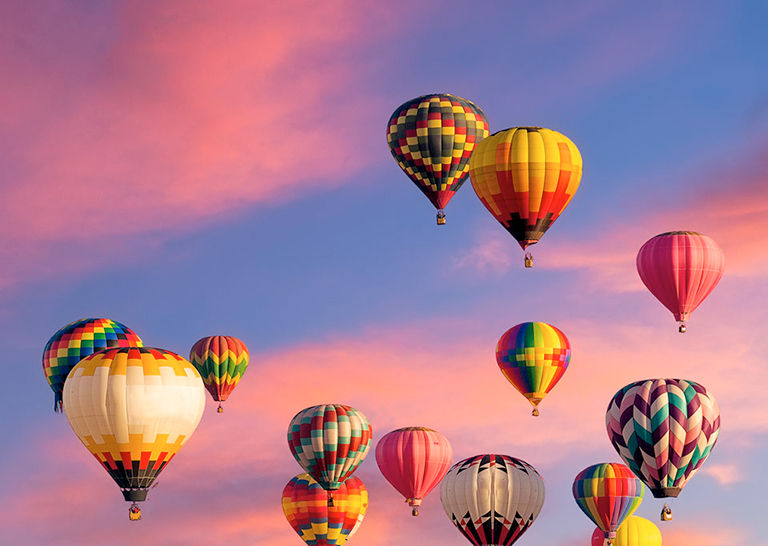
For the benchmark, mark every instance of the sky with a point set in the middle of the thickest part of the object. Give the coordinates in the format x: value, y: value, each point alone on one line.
x: 194, y: 169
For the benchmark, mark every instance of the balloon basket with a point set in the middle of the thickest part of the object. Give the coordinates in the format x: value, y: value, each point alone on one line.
x: 682, y: 328
x: 330, y: 499
x: 440, y: 217
x: 219, y: 409
x: 528, y: 261
x: 415, y: 512
x: 535, y: 412
x: 666, y: 513
x: 134, y: 512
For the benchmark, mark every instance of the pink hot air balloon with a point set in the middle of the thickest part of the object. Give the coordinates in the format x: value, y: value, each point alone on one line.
x: 680, y: 268
x: 414, y: 460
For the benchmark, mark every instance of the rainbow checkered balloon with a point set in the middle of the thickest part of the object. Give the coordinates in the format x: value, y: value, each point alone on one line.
x: 79, y: 339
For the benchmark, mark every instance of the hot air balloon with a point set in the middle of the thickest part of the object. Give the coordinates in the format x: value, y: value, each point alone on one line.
x: 492, y: 499
x: 533, y: 356
x: 635, y: 531
x: 525, y: 177
x: 431, y: 138
x: 414, y: 460
x: 77, y: 340
x: 134, y: 408
x: 306, y: 508
x: 608, y: 493
x: 680, y: 268
x: 664, y: 430
x: 221, y: 361
x: 329, y: 441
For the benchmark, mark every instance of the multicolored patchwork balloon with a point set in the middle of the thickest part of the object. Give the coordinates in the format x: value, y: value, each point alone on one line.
x: 664, y: 429
x: 525, y: 177
x: 221, y: 361
x: 134, y: 408
x: 77, y: 340
x: 431, y: 138
x: 414, y: 460
x: 492, y: 499
x: 329, y: 441
x: 533, y: 356
x: 680, y: 268
x: 608, y: 493
x: 635, y: 531
x: 305, y: 505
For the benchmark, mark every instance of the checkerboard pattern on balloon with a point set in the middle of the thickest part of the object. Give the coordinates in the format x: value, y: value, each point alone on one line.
x: 329, y: 441
x: 664, y: 429
x: 305, y: 505
x: 533, y: 356
x: 432, y: 138
x: 77, y: 340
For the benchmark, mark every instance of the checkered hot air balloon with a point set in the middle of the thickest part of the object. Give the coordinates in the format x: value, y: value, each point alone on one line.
x: 635, y: 531
x: 134, y: 408
x: 525, y: 177
x: 431, y: 138
x: 329, y: 441
x: 492, y: 499
x: 414, y: 460
x: 680, y: 268
x: 77, y: 340
x: 305, y: 505
x: 608, y: 493
x: 533, y: 356
x: 221, y: 361
x: 664, y: 429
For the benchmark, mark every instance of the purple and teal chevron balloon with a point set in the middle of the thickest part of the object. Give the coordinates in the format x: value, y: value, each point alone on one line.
x: 664, y: 429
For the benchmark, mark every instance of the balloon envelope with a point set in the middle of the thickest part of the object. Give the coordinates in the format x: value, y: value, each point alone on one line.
x: 492, y: 499
x: 77, y: 340
x: 431, y: 138
x: 608, y: 493
x: 221, y: 362
x: 525, y: 177
x: 329, y: 441
x: 414, y: 460
x: 305, y: 505
x: 635, y: 531
x: 134, y: 408
x: 533, y: 356
x: 664, y: 429
x: 680, y: 268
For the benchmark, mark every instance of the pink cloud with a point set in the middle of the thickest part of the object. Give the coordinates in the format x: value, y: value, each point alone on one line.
x: 181, y: 115
x: 231, y: 472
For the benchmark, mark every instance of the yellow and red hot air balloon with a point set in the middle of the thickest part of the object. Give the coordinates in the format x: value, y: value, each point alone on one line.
x: 221, y: 361
x: 134, y: 408
x: 525, y: 177
x: 306, y: 507
x: 431, y: 138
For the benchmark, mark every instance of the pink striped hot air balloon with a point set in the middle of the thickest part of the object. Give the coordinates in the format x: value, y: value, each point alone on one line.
x: 680, y: 268
x: 414, y: 460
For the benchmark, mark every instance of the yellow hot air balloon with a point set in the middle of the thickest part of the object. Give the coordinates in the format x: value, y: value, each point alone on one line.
x: 525, y: 177
x: 133, y: 408
x: 636, y: 531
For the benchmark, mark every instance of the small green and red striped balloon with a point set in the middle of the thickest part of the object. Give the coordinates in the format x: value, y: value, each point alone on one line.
x: 221, y: 361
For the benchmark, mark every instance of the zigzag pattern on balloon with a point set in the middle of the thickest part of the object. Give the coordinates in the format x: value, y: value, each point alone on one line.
x: 221, y: 361
x: 664, y: 429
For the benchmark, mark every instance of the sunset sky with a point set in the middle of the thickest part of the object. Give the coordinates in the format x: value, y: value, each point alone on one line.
x: 200, y: 168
